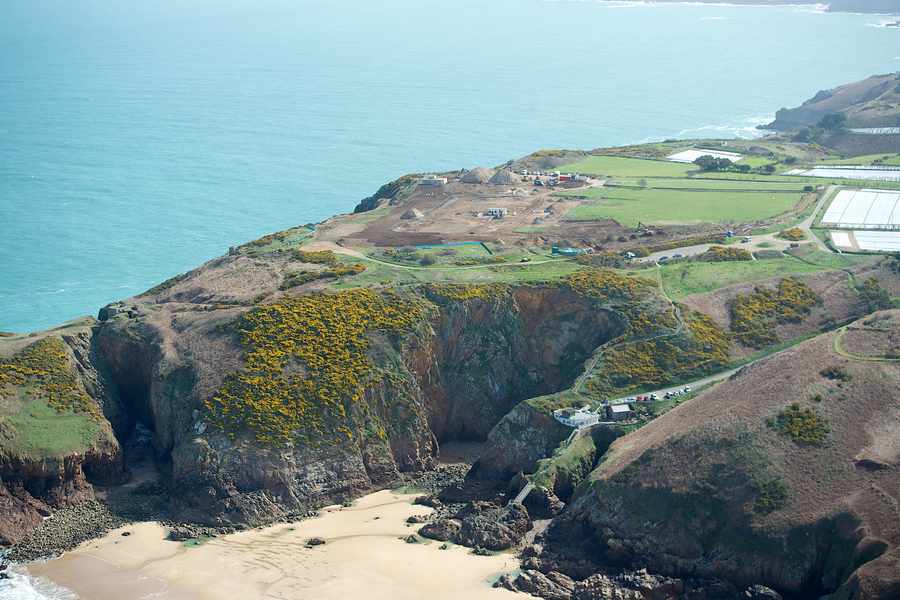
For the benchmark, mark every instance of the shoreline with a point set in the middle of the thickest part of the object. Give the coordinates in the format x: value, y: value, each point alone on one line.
x: 364, y: 556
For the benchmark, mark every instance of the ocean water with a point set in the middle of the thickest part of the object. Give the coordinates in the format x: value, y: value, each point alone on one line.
x: 139, y: 139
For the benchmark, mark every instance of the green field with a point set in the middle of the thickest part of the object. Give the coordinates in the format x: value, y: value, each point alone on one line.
x: 699, y: 183
x: 860, y: 183
x: 630, y: 206
x: 614, y: 166
x: 40, y: 431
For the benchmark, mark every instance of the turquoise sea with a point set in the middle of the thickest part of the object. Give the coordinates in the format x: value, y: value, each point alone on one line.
x: 138, y: 139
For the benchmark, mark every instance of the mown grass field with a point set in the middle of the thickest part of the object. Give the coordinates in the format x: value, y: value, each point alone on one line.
x: 615, y: 166
x: 630, y: 206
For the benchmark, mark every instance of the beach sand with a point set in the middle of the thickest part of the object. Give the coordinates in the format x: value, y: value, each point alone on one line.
x: 362, y: 559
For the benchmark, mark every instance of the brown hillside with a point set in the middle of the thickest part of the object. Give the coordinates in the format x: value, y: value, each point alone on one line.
x: 714, y: 488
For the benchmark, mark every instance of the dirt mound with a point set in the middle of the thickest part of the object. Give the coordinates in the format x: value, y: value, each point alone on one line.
x: 413, y: 213
x: 741, y: 484
x: 505, y: 177
x: 478, y: 175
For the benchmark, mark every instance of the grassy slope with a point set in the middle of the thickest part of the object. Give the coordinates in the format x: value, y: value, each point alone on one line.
x: 38, y: 431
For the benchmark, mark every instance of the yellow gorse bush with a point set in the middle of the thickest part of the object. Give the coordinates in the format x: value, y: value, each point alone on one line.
x: 461, y: 292
x: 754, y: 316
x: 306, y: 364
x: 43, y: 369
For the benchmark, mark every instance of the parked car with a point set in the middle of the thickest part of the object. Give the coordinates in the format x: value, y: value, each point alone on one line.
x: 687, y: 389
x: 663, y: 259
x: 677, y: 256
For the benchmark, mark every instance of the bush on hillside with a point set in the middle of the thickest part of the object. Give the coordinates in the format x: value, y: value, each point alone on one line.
x: 803, y: 425
x: 754, y: 316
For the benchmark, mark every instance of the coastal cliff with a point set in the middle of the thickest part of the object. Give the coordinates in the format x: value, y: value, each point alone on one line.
x: 55, y: 438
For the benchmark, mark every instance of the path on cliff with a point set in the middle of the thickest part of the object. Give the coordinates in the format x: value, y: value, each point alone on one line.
x: 334, y: 247
x: 578, y: 386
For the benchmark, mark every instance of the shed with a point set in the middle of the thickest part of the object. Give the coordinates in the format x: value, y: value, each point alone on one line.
x: 619, y: 412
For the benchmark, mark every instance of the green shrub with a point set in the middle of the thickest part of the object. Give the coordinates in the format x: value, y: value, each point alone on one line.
x: 724, y: 254
x: 803, y: 425
x: 316, y: 257
x: 836, y: 372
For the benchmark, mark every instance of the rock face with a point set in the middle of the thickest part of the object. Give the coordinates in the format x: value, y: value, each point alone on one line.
x: 716, y: 489
x: 867, y: 103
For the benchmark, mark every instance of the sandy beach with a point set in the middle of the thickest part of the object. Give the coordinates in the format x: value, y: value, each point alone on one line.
x: 364, y: 557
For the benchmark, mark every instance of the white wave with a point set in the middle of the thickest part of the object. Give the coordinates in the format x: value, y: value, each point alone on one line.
x: 887, y: 23
x: 745, y: 128
x: 20, y: 586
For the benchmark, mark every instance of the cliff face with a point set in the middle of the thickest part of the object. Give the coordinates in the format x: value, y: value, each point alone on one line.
x: 764, y: 479
x: 450, y: 373
x: 55, y: 440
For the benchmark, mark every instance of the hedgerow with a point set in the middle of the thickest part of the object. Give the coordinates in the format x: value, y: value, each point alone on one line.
x: 306, y: 364
x: 43, y: 369
x: 754, y: 316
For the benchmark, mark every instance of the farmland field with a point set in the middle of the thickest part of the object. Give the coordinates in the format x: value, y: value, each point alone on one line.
x: 629, y: 206
x: 615, y: 166
x: 886, y: 159
x: 698, y: 183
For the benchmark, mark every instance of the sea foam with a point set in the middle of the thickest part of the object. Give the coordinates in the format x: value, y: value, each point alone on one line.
x: 21, y: 586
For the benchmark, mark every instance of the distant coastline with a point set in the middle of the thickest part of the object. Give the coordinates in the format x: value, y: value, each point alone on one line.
x: 882, y: 7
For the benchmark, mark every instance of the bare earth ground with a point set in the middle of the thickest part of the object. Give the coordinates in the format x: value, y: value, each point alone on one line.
x: 363, y: 558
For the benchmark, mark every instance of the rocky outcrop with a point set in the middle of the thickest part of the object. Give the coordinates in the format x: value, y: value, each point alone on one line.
x: 552, y: 586
x: 486, y: 525
x: 866, y: 103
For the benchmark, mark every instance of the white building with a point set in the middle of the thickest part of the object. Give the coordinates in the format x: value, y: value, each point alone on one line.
x: 576, y: 417
x: 433, y: 181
